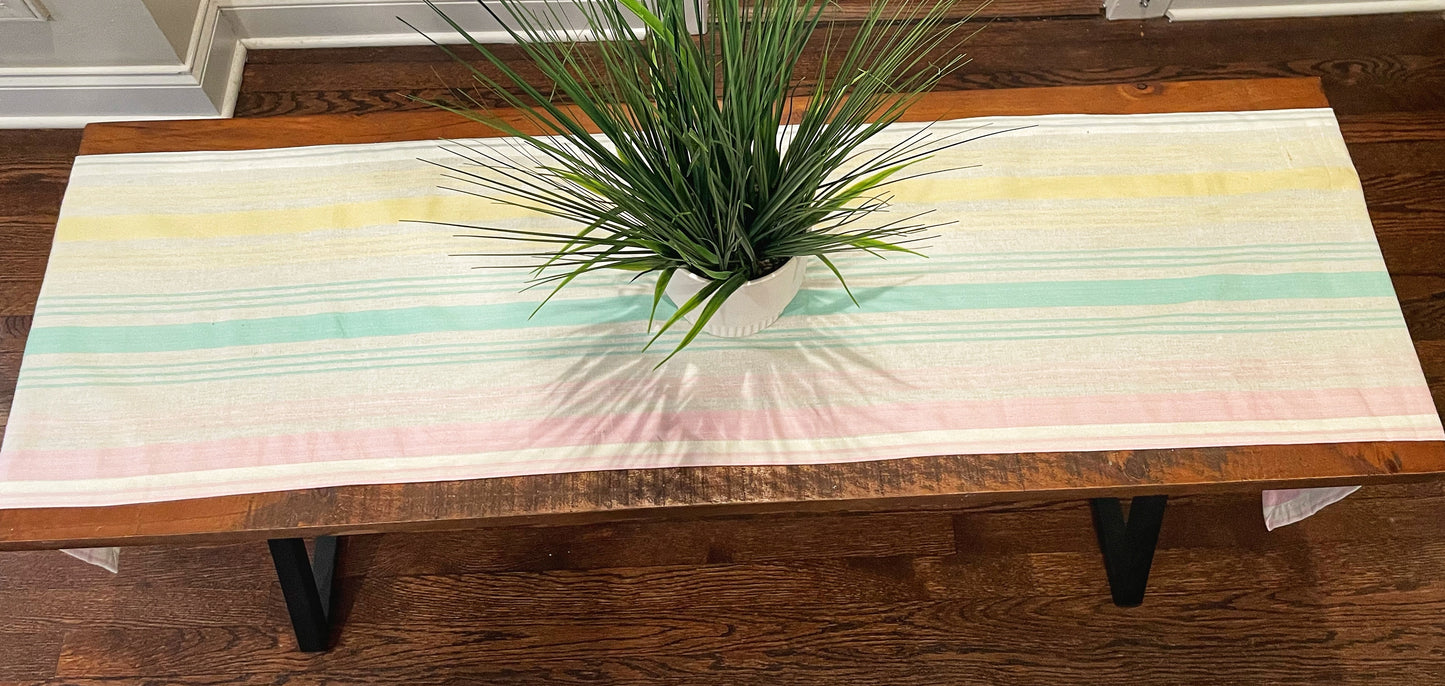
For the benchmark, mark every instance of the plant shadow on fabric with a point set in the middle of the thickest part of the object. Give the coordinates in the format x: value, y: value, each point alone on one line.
x: 614, y: 392
x: 723, y: 154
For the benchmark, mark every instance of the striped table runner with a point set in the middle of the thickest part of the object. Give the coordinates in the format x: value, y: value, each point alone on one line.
x: 217, y: 323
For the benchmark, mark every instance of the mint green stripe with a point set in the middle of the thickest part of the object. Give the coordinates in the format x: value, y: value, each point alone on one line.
x: 1172, y: 319
x: 1105, y: 293
x: 511, y: 349
x: 950, y: 331
x: 759, y: 344
x: 810, y: 302
x: 331, y: 325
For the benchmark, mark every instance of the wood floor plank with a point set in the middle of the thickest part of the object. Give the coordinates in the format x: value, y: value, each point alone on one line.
x: 9, y: 372
x: 1354, y: 84
x: 696, y: 542
x: 1224, y: 522
x: 33, y: 190
x: 238, y: 567
x: 826, y: 585
x: 1410, y: 241
x: 1297, y: 634
x: 133, y: 607
x: 217, y: 680
x: 28, y: 655
x: 33, y: 145
x: 1332, y: 593
x: 1396, y: 66
x: 13, y: 331
x: 1432, y: 361
x: 1368, y: 574
x: 1422, y: 298
x: 1419, y: 191
x: 1382, y: 159
x: 1186, y: 41
x: 1399, y: 128
x: 34, y: 168
x: 1405, y: 233
x: 22, y: 263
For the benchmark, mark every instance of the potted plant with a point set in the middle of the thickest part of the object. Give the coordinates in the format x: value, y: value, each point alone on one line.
x: 716, y: 166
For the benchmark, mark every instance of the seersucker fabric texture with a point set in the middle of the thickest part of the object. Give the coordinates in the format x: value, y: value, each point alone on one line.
x: 216, y: 323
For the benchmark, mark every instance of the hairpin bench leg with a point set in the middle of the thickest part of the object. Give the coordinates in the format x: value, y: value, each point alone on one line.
x: 306, y: 584
x: 1128, y: 547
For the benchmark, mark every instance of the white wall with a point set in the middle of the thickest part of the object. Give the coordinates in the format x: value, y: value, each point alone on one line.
x: 87, y: 34
x: 177, y: 19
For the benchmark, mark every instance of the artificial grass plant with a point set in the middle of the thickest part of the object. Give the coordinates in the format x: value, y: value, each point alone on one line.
x: 695, y: 165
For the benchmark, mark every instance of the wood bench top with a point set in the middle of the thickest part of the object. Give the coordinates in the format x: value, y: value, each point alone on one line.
x: 915, y: 483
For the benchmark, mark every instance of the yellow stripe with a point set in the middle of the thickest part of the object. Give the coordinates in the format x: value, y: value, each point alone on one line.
x: 1096, y: 186
x: 471, y: 209
x: 116, y: 194
x: 456, y: 208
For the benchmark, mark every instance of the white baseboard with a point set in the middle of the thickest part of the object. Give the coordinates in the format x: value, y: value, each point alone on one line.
x: 80, y: 121
x: 1201, y: 10
x: 273, y: 24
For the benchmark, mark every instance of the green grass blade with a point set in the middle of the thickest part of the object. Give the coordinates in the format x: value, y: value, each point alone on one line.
x: 723, y: 290
x: 657, y: 292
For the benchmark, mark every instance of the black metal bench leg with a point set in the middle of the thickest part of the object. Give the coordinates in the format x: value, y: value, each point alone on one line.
x: 306, y: 584
x: 1128, y: 547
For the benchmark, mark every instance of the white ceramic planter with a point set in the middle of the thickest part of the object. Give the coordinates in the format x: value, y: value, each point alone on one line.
x: 750, y: 309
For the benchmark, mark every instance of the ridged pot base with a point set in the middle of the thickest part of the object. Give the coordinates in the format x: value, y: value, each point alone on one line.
x: 752, y: 307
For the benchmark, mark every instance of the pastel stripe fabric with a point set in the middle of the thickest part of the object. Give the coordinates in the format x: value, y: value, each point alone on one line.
x: 217, y: 323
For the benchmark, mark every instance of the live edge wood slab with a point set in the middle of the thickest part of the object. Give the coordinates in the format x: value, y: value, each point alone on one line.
x: 917, y: 483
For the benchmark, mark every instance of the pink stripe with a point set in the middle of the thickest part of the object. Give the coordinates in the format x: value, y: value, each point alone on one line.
x: 676, y: 430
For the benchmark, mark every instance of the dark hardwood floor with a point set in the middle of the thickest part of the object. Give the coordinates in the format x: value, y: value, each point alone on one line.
x: 996, y: 594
